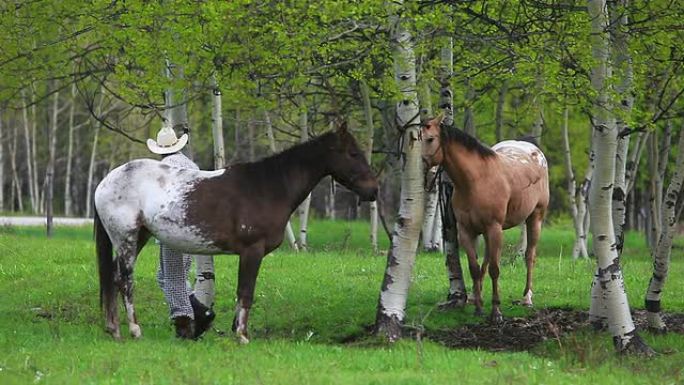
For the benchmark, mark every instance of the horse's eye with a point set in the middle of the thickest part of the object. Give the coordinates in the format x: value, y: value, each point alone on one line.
x: 430, y: 140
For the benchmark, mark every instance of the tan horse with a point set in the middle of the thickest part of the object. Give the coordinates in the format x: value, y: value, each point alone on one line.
x: 494, y: 189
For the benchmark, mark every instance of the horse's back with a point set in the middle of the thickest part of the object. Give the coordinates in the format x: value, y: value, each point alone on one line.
x: 149, y: 193
x: 521, y: 151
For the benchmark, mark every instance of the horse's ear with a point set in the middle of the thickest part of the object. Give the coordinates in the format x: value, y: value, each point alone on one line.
x: 440, y: 118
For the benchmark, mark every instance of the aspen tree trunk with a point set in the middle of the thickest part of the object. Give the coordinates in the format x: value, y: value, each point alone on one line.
x: 604, y: 142
x: 2, y: 162
x: 91, y: 170
x: 16, y: 181
x: 625, y: 73
x: 289, y: 233
x: 50, y: 169
x: 330, y: 200
x: 368, y: 113
x: 537, y: 131
x: 579, y: 249
x: 432, y: 193
x: 634, y: 159
x: 468, y: 113
x: 653, y: 232
x: 401, y: 256
x: 29, y: 163
x: 662, y: 251
x: 34, y: 159
x: 431, y: 211
x: 538, y: 105
x: 68, y: 210
x: 93, y: 153
x: 304, y: 207
x: 498, y: 114
x: 457, y: 293
x: 205, y: 284
x: 663, y: 161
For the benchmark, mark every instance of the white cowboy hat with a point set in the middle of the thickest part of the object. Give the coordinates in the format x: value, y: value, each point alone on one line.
x: 167, y: 142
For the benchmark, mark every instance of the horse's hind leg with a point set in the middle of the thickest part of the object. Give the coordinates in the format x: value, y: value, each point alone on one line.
x: 127, y: 254
x: 534, y: 225
x: 250, y: 261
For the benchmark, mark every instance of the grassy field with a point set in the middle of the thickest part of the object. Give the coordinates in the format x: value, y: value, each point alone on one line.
x: 307, y: 307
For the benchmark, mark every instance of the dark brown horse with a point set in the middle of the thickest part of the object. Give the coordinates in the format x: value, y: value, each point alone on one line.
x: 242, y: 209
x: 494, y: 189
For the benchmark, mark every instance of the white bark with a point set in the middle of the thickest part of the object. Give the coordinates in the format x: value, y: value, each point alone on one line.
x: 437, y: 231
x: 654, y: 228
x: 579, y: 249
x: 624, y: 70
x: 304, y: 206
x: 91, y: 169
x: 289, y: 233
x: 68, y: 209
x: 29, y: 158
x: 401, y: 257
x: 50, y: 169
x: 609, y: 282
x: 498, y: 114
x: 634, y: 160
x: 431, y: 211
x: 16, y: 181
x: 205, y: 287
x: 217, y: 126
x: 468, y: 113
x: 662, y: 251
x: 457, y: 291
x: 2, y: 163
x: 368, y: 113
x: 34, y: 158
x: 538, y: 104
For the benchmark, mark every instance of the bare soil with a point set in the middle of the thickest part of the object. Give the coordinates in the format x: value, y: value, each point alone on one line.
x: 517, y: 334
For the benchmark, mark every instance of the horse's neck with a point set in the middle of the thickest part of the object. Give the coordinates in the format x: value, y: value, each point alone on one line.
x: 302, y: 170
x: 464, y: 166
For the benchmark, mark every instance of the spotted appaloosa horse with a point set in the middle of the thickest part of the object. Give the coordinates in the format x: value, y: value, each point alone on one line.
x: 494, y: 189
x: 241, y: 209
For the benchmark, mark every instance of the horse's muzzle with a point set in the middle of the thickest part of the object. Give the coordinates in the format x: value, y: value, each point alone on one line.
x: 368, y: 191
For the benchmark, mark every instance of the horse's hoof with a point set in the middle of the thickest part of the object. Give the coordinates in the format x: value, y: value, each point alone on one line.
x: 135, y: 330
x: 243, y: 339
x: 115, y: 333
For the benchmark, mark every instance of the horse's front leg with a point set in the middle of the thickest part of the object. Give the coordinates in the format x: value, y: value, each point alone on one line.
x: 250, y: 260
x: 494, y: 240
x: 468, y: 242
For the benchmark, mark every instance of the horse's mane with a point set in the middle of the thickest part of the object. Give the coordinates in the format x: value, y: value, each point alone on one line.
x: 453, y: 133
x: 294, y: 151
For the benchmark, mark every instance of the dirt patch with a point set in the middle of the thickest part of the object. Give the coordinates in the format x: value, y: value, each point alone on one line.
x: 517, y: 334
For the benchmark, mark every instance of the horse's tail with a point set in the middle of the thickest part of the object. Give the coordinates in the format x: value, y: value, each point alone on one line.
x: 105, y: 264
x: 529, y: 139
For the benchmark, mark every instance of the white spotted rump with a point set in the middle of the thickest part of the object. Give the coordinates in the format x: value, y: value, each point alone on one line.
x: 521, y: 151
x: 149, y: 193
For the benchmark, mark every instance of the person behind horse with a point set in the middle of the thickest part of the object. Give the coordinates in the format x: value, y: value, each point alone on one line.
x: 191, y: 317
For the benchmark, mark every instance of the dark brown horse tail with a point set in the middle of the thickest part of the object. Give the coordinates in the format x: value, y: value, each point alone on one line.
x: 105, y: 263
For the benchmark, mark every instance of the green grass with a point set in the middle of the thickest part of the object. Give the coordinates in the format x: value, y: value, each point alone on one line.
x: 307, y: 304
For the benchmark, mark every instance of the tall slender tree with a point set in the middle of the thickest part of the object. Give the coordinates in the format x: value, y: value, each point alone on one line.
x: 401, y: 256
x: 611, y: 294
